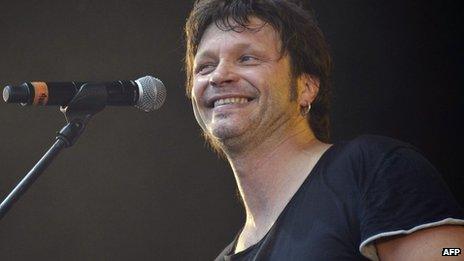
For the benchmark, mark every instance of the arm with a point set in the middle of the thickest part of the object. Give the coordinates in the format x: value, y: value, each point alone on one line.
x: 426, y: 244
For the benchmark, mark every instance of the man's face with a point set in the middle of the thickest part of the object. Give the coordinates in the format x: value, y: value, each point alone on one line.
x: 241, y: 85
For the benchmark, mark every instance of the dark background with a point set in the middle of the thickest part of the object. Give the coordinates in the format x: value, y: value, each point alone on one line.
x: 144, y: 186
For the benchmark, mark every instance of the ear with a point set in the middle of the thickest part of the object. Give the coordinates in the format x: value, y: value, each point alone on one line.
x: 308, y: 90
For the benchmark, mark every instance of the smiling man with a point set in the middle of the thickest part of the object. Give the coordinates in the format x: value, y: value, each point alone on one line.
x: 258, y: 76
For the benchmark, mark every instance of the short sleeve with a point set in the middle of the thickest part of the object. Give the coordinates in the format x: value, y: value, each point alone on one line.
x: 402, y: 194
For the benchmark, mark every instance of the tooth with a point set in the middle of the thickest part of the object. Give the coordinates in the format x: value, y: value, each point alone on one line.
x: 230, y: 100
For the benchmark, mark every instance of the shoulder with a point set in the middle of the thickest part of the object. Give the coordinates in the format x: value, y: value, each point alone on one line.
x: 364, y: 164
x: 366, y: 154
x: 375, y: 145
x: 400, y: 190
x: 384, y: 163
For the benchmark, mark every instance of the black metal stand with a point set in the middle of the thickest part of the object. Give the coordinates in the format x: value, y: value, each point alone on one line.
x: 90, y: 99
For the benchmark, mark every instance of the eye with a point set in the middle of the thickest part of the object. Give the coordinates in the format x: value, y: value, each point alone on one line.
x: 204, y: 68
x: 247, y: 59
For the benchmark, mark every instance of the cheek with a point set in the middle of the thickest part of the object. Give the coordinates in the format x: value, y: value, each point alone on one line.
x: 266, y: 83
x: 255, y: 78
x: 199, y: 116
x: 198, y: 88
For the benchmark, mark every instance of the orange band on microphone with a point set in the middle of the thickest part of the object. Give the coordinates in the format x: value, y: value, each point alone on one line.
x: 41, y: 93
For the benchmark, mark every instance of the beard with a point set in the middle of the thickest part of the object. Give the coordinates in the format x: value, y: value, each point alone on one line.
x: 224, y: 139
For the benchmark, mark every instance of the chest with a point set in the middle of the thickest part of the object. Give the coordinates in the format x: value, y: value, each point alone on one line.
x: 322, y: 229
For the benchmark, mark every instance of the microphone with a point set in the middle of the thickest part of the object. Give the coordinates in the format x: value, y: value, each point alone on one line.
x: 147, y: 93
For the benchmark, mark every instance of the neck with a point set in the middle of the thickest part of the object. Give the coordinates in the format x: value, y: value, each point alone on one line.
x: 270, y: 173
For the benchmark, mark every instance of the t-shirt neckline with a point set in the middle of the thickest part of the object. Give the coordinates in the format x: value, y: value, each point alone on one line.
x: 232, y: 245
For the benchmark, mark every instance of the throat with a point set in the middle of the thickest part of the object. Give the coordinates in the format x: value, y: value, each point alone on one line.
x: 268, y: 189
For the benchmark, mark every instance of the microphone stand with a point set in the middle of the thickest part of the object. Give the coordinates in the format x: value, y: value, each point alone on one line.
x: 89, y: 100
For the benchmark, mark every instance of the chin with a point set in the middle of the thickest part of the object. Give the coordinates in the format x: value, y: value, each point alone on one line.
x: 230, y: 138
x: 224, y: 131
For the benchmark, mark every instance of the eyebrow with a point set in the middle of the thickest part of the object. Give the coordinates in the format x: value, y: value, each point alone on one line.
x: 237, y: 47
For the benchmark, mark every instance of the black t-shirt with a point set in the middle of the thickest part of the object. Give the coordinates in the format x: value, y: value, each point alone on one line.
x: 359, y: 191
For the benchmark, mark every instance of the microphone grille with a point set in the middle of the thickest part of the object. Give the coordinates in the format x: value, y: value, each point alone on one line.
x: 152, y: 93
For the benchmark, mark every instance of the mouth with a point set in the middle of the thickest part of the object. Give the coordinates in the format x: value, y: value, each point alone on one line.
x: 229, y: 101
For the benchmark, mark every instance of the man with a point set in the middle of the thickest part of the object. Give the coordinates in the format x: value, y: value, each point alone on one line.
x: 258, y: 76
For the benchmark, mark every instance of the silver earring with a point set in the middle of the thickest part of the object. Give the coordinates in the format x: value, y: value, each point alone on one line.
x: 304, y: 110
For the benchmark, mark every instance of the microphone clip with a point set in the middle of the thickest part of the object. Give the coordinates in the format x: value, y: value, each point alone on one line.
x: 89, y: 100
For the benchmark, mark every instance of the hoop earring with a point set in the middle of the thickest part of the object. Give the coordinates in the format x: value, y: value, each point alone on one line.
x: 304, y: 110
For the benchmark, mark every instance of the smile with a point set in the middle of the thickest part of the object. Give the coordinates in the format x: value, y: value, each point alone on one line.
x: 234, y: 100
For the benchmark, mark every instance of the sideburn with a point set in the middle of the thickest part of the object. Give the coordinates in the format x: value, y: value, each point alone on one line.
x: 293, y: 87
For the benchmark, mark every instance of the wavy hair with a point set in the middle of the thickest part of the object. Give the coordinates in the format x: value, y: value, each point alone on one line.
x: 299, y: 33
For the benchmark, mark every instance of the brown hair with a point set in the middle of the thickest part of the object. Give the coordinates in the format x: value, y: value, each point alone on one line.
x: 299, y: 33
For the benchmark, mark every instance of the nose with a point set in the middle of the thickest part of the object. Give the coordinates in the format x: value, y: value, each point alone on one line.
x: 223, y: 74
